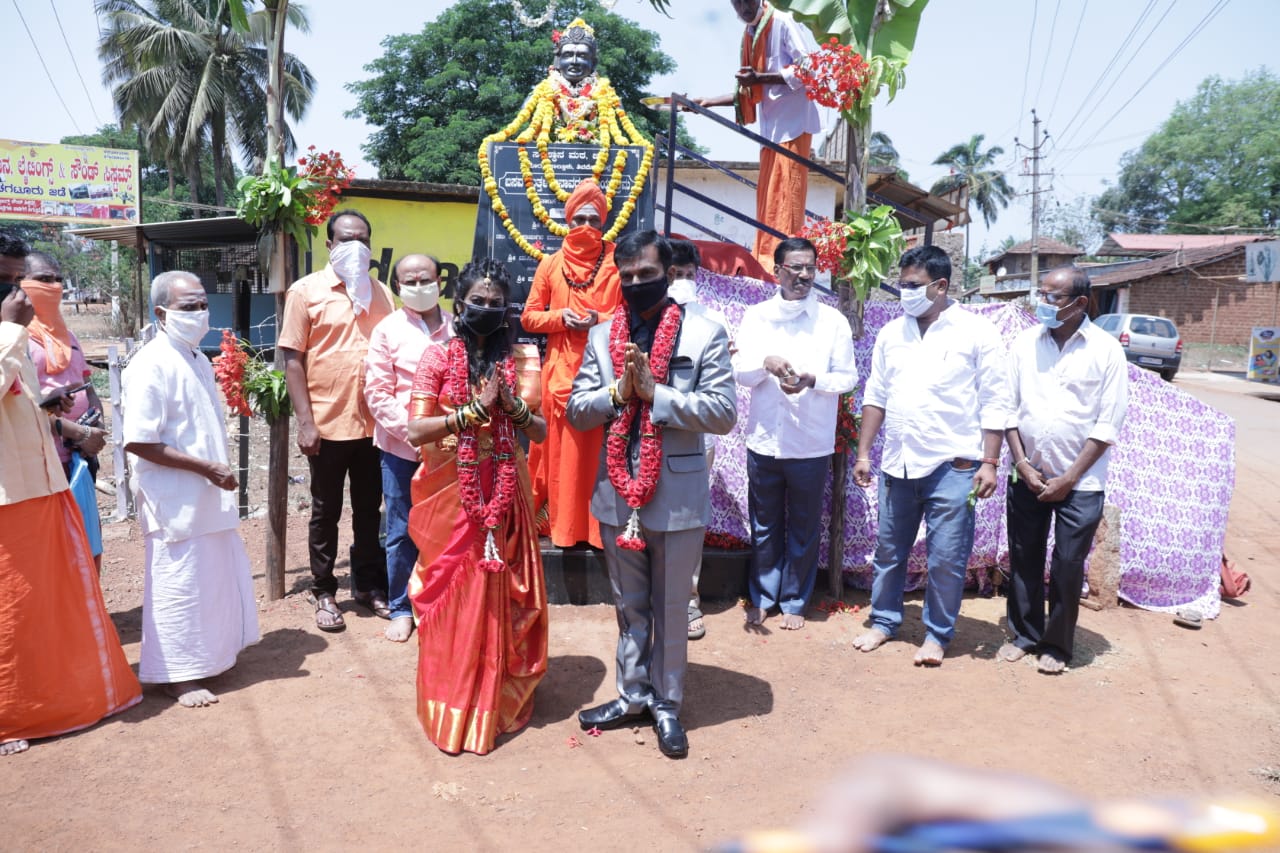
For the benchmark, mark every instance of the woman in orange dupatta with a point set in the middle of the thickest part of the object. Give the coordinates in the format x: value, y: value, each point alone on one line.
x: 477, y: 589
x: 573, y: 290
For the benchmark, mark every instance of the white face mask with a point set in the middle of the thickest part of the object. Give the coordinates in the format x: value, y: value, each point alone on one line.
x: 915, y: 300
x: 420, y: 297
x: 186, y: 327
x: 789, y: 309
x: 683, y: 291
x: 350, y: 260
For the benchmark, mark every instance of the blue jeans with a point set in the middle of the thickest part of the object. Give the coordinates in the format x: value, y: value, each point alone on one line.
x: 784, y: 499
x: 397, y: 474
x: 941, y: 498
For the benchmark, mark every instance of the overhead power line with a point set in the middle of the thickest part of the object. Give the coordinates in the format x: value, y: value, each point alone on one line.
x: 1053, y: 26
x: 1026, y: 74
x: 1066, y: 66
x: 75, y: 65
x: 1066, y: 128
x: 32, y: 40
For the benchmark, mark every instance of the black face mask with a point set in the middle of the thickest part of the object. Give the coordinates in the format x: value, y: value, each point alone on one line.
x: 482, y: 320
x: 646, y: 294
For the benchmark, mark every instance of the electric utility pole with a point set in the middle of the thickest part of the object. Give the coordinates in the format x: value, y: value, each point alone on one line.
x: 1037, y: 141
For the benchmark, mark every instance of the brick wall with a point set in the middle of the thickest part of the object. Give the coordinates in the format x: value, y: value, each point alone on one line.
x: 1187, y: 300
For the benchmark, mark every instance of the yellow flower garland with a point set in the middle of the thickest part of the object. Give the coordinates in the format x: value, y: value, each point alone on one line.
x: 538, y: 119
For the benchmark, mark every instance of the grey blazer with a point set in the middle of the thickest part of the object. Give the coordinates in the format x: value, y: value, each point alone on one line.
x: 700, y: 396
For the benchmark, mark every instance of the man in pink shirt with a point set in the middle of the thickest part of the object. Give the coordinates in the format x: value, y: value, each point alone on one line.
x: 395, y: 348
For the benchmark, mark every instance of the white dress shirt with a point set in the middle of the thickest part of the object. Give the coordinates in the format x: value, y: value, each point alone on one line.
x: 817, y: 340
x: 939, y: 391
x: 786, y: 111
x: 169, y: 396
x: 1062, y: 398
x: 395, y: 348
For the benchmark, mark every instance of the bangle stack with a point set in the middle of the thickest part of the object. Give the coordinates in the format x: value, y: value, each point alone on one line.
x: 522, y: 416
x: 472, y: 414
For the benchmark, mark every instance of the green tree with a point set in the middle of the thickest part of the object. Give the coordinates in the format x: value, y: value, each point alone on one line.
x: 193, y: 83
x: 1213, y: 164
x: 436, y: 94
x: 1073, y: 223
x: 974, y: 172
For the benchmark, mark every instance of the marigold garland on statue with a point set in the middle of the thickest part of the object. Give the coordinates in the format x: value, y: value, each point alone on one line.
x: 488, y: 516
x: 591, y: 115
x: 638, y: 491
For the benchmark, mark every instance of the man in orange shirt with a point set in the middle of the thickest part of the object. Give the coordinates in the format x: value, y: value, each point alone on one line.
x: 573, y: 290
x: 328, y: 318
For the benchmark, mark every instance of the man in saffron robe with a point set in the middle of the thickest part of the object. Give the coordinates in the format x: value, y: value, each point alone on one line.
x: 769, y: 91
x: 61, y: 665
x: 573, y: 290
x: 198, y: 606
x: 660, y: 377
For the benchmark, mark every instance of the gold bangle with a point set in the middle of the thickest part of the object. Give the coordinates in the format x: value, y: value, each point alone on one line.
x: 614, y: 396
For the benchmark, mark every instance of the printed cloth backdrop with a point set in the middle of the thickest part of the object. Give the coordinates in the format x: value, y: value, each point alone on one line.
x: 1171, y: 474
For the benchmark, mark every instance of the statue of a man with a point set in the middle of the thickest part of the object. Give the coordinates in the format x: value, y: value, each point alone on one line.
x: 575, y: 57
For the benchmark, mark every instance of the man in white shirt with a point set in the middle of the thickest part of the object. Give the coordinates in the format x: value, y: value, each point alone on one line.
x: 769, y: 91
x: 796, y: 357
x: 937, y: 385
x: 198, y: 606
x: 395, y: 348
x: 685, y: 260
x: 1070, y: 387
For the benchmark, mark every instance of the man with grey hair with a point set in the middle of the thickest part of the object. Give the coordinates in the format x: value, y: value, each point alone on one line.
x: 198, y: 607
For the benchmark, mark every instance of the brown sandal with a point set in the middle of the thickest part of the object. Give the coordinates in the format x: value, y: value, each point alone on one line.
x: 326, y: 604
x: 376, y: 602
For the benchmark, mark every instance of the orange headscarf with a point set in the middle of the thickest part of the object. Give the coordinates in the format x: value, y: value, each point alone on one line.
x: 583, y: 245
x: 48, y: 327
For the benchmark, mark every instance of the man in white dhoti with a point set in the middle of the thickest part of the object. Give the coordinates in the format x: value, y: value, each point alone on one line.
x: 198, y: 608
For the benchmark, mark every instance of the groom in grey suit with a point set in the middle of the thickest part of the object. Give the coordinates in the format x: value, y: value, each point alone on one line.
x: 651, y: 586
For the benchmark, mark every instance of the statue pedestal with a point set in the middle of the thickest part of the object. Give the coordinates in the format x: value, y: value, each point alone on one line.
x: 572, y: 164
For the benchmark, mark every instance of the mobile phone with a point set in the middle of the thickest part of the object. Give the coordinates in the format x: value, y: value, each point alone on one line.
x: 55, y: 398
x: 6, y: 289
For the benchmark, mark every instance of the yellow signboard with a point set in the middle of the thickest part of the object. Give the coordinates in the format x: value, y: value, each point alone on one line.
x: 445, y: 230
x: 1264, y: 354
x: 68, y: 183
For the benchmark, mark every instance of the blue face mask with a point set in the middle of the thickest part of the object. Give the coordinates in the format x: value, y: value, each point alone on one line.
x: 1048, y: 315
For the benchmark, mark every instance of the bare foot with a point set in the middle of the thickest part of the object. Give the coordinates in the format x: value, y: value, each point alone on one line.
x: 870, y: 640
x: 399, y: 629
x: 930, y: 654
x: 13, y: 747
x: 755, y: 615
x: 791, y: 622
x: 191, y: 694
x: 1010, y: 653
x: 1051, y: 664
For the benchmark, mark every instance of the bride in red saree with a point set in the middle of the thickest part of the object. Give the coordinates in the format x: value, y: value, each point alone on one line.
x: 478, y: 589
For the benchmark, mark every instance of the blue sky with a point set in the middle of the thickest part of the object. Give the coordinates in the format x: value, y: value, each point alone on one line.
x: 980, y: 66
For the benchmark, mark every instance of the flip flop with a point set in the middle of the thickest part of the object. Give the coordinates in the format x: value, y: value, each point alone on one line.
x: 696, y: 633
x: 1188, y: 618
x: 325, y: 602
x: 375, y: 602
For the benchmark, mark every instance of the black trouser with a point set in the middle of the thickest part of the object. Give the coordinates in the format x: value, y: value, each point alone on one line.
x: 1075, y: 520
x: 329, y: 471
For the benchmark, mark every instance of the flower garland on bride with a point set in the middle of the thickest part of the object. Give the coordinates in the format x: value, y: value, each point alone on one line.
x: 487, y: 515
x: 638, y: 491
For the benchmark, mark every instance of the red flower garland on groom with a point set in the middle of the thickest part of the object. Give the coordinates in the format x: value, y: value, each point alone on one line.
x: 638, y: 491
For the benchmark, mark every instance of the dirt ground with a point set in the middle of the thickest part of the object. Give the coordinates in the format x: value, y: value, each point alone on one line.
x: 315, y: 743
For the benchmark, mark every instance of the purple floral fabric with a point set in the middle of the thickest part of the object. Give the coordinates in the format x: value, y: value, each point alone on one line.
x: 1172, y: 473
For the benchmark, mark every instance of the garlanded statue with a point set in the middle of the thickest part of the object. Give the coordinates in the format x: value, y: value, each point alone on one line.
x: 572, y: 105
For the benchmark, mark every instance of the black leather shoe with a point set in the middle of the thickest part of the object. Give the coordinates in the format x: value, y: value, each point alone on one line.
x: 671, y: 737
x: 610, y: 715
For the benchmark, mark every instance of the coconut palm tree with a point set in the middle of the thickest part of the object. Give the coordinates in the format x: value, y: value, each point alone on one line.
x: 193, y: 83
x: 973, y: 171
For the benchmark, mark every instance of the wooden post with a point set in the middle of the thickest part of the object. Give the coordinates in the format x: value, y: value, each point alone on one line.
x: 279, y: 275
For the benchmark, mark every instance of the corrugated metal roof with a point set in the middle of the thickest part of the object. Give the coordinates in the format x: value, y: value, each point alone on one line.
x: 181, y: 234
x: 1166, y: 263
x: 1157, y: 244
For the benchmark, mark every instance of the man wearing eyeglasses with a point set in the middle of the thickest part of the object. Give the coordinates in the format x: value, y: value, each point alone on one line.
x: 795, y: 355
x: 1069, y: 382
x: 937, y: 386
x: 395, y: 348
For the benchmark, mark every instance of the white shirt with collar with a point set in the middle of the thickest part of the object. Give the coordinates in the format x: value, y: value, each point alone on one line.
x: 1063, y: 397
x: 785, y: 112
x: 939, y: 391
x: 815, y: 340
